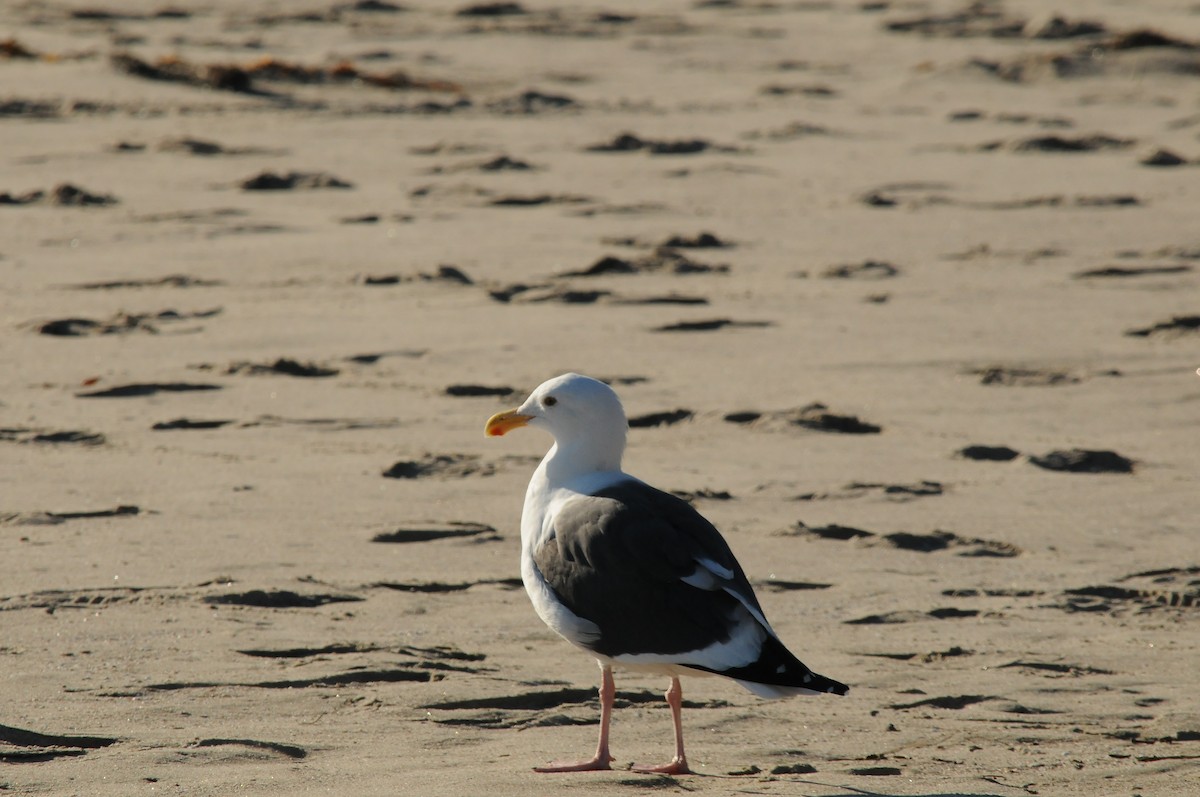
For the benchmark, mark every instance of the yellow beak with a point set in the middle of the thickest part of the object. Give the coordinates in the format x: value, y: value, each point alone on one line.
x: 503, y: 422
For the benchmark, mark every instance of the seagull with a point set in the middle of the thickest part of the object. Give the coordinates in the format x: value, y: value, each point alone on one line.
x: 632, y: 575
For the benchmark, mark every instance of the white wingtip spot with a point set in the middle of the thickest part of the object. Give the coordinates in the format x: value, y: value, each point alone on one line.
x: 718, y: 570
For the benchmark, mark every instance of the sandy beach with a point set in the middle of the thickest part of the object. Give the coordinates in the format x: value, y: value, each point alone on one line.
x: 903, y: 296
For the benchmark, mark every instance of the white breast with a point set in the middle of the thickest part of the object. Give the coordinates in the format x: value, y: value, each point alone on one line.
x: 542, y: 501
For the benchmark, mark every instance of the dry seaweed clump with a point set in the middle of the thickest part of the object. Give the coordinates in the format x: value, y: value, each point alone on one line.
x: 1099, y: 49
x: 1137, y: 52
x: 10, y: 49
x: 63, y: 195
x: 242, y: 77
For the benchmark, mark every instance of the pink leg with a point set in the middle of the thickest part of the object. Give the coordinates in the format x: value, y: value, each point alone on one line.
x: 678, y: 764
x: 602, y: 759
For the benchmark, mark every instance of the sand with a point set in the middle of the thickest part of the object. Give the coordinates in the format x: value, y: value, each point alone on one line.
x: 268, y: 268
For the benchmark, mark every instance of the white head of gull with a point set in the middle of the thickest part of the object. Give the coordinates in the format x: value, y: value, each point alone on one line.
x: 633, y: 575
x: 584, y: 416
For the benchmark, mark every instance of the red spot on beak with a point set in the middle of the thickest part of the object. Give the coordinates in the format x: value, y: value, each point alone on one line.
x: 503, y: 422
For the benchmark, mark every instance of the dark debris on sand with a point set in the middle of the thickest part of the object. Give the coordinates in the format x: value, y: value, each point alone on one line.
x: 1132, y: 271
x: 284, y: 366
x: 1163, y: 158
x: 270, y: 181
x: 278, y: 599
x: 140, y: 389
x: 1178, y: 589
x: 934, y: 541
x: 989, y: 453
x: 816, y: 417
x: 43, y: 437
x: 868, y: 269
x: 1177, y: 325
x: 175, y: 70
x: 1025, y: 377
x: 431, y: 531
x: 1060, y: 144
x: 55, y: 517
x: 171, y: 281
x: 444, y: 273
x: 655, y: 419
x: 62, y: 195
x: 443, y: 466
x: 981, y: 18
x: 339, y: 12
x: 188, y: 423
x: 240, y: 77
x: 532, y: 101
x: 709, y: 325
x: 1141, y: 52
x: 628, y: 142
x: 120, y: 323
x: 537, y: 200
x: 1082, y: 460
x: 475, y: 391
x: 663, y: 258
x: 703, y: 240
x: 893, y: 492
x: 491, y: 10
x: 504, y: 163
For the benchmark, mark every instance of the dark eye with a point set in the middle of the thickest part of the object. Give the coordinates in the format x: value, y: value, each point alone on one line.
x: 549, y: 401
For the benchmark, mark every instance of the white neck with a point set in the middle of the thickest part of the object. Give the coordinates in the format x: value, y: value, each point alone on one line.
x: 577, y: 459
x: 566, y: 470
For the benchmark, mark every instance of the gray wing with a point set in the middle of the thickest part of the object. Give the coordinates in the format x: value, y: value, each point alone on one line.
x: 648, y: 570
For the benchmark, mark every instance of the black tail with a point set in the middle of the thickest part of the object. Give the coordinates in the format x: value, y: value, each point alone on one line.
x: 777, y: 673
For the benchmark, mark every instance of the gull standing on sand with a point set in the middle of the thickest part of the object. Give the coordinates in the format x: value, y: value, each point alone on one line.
x: 633, y: 575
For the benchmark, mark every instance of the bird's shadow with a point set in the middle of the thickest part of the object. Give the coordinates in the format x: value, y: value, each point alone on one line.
x: 852, y: 792
x: 840, y: 790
